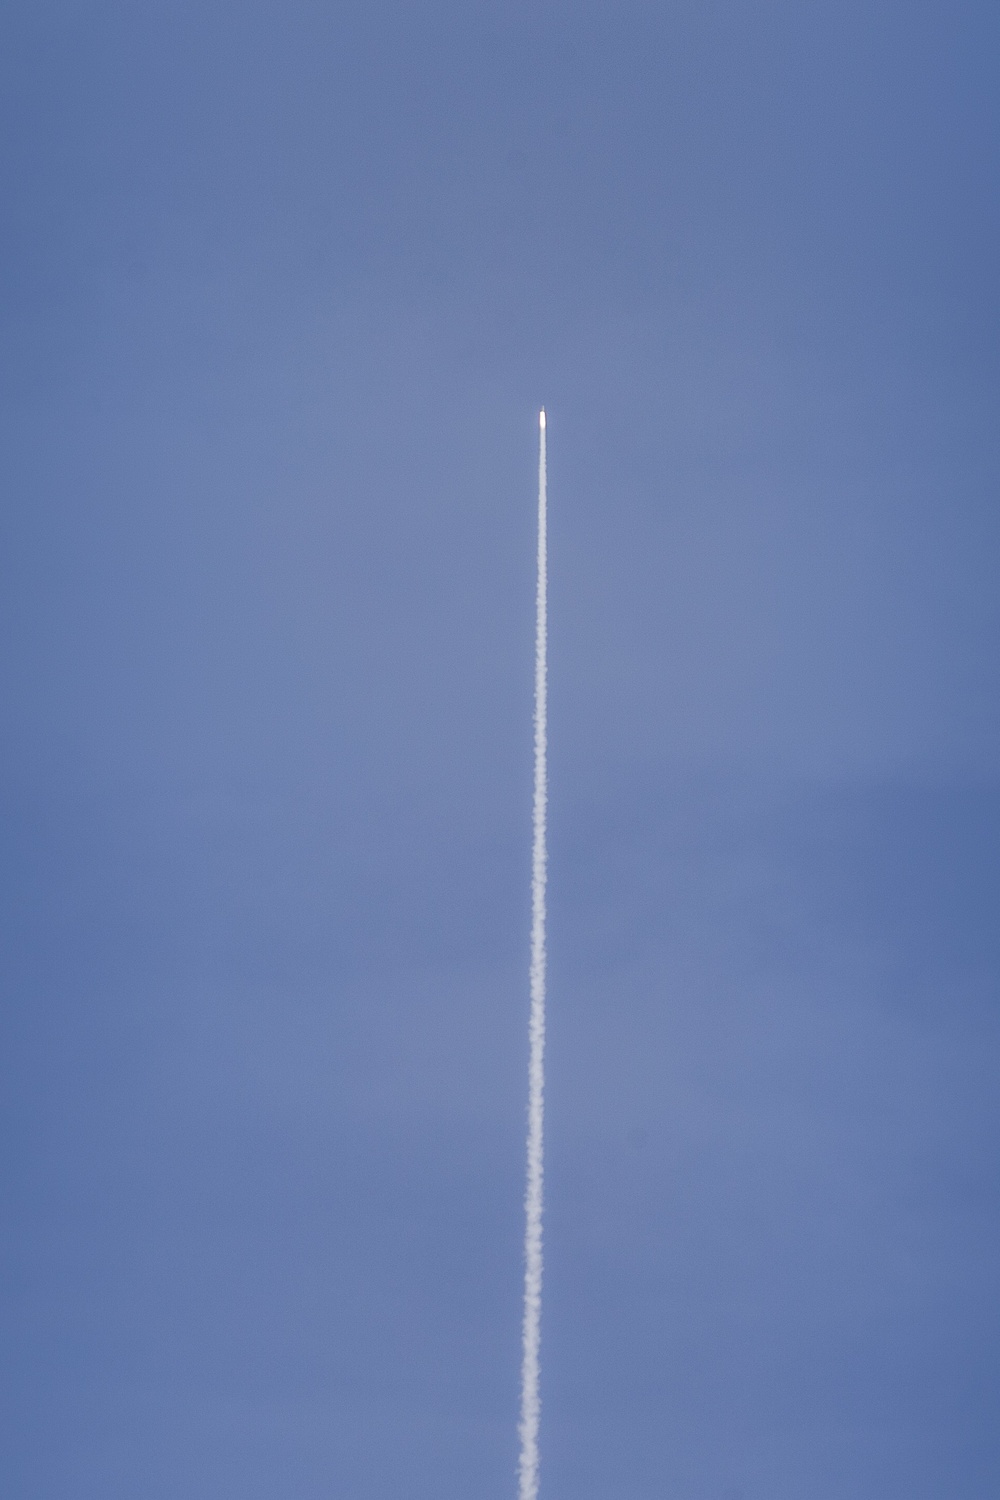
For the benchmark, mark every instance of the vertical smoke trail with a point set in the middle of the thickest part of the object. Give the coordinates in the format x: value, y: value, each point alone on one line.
x: 530, y: 1397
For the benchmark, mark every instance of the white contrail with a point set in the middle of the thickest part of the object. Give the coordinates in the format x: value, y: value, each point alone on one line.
x: 530, y: 1397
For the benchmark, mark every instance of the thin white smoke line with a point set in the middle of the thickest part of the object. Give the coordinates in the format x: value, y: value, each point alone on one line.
x: 530, y: 1368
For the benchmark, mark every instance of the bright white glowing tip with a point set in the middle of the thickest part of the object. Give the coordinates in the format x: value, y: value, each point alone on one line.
x: 541, y: 419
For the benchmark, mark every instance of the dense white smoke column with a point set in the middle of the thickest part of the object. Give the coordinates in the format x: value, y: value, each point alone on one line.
x: 530, y: 1397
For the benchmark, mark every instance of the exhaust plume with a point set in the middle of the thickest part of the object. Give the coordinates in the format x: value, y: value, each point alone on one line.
x: 530, y: 1369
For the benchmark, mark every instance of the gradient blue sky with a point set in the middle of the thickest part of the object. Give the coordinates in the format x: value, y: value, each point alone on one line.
x: 283, y: 287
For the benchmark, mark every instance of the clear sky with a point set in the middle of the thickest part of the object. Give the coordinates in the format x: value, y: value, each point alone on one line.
x: 283, y: 288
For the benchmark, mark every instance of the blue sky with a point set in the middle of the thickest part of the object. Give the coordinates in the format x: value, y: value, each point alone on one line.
x: 283, y: 288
